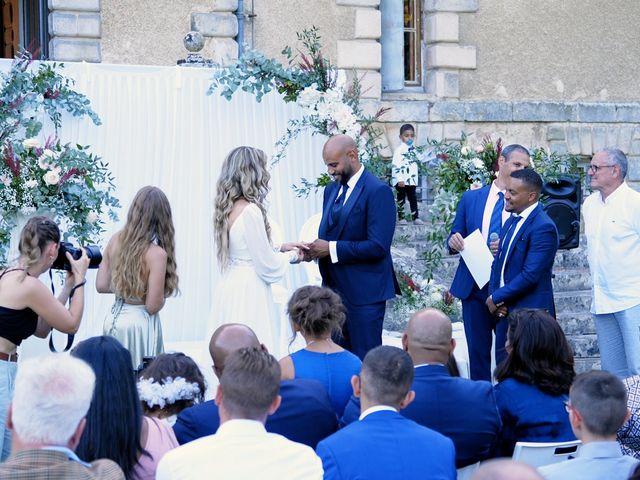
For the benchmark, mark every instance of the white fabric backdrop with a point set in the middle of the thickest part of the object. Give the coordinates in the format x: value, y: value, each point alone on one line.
x: 160, y: 128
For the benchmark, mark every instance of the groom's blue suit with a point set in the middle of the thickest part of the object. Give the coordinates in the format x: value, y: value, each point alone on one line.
x: 363, y: 274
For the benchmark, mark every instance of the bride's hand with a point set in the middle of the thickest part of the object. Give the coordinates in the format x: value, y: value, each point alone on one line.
x: 286, y: 247
x: 296, y: 255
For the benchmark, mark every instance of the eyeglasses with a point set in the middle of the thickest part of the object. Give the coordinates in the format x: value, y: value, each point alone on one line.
x: 594, y: 168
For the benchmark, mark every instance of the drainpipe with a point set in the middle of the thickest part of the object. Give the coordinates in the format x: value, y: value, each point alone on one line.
x: 240, y: 37
x: 392, y: 40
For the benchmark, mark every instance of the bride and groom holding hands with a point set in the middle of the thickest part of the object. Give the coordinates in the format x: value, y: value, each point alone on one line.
x: 352, y: 248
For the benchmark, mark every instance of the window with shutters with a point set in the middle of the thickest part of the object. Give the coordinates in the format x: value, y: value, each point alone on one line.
x: 24, y: 25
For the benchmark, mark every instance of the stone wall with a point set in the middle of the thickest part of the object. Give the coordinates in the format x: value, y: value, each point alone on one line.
x: 75, y: 30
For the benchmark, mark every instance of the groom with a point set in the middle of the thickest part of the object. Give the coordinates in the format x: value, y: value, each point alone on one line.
x: 353, y: 248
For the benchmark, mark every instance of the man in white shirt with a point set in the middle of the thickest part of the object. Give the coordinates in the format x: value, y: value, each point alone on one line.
x: 597, y: 407
x: 612, y: 226
x: 242, y: 448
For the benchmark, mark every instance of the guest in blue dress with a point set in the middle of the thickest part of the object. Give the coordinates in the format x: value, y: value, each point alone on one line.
x: 317, y: 313
x: 534, y: 381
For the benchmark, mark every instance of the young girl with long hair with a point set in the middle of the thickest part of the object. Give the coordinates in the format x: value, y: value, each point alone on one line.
x: 139, y: 266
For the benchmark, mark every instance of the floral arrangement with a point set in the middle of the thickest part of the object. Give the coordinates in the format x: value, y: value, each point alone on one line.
x: 63, y: 181
x: 168, y: 392
x: 310, y: 80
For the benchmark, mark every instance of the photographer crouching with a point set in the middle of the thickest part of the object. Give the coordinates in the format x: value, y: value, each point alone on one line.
x: 27, y: 306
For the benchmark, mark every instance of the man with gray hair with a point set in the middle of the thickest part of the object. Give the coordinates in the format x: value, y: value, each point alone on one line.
x: 597, y: 408
x: 51, y: 398
x: 612, y: 227
x: 248, y: 393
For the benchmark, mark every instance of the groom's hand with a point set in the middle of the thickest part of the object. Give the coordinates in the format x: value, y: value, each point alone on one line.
x: 318, y: 249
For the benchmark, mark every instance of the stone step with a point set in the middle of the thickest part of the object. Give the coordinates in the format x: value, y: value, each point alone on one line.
x: 584, y: 345
x: 573, y: 302
x: 586, y: 364
x: 576, y: 323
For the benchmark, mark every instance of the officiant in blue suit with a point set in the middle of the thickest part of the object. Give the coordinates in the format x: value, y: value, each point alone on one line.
x: 481, y: 209
x: 353, y: 248
x: 521, y: 271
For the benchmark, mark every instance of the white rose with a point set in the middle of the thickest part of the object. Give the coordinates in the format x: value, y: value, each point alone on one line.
x: 31, y: 183
x: 478, y: 163
x: 475, y: 185
x: 49, y: 153
x: 51, y: 177
x: 43, y: 163
x: 479, y: 149
x: 465, y: 150
x: 31, y: 143
x: 92, y: 217
x: 310, y: 96
x: 5, y: 180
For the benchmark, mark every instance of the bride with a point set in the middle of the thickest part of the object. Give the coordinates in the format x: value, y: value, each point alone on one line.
x: 248, y: 260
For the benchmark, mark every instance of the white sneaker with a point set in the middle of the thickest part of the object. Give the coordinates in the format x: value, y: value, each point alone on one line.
x: 417, y: 221
x: 402, y: 222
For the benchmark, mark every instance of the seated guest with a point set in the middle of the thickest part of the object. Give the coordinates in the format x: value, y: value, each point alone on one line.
x: 242, y: 448
x: 116, y: 428
x: 463, y: 410
x: 305, y: 414
x: 534, y: 381
x: 317, y: 313
x: 597, y: 408
x: 629, y: 432
x: 505, y: 469
x: 383, y: 444
x: 51, y: 398
x: 169, y: 384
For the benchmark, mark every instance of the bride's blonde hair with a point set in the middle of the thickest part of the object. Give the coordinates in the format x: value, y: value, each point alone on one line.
x: 244, y: 174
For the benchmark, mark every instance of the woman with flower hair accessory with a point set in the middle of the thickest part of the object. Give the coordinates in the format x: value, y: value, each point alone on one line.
x: 139, y: 266
x: 169, y: 384
x: 27, y: 306
x: 116, y: 427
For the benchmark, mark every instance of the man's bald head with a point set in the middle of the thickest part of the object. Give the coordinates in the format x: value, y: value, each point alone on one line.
x: 229, y: 338
x: 505, y: 469
x: 340, y: 143
x: 427, y: 337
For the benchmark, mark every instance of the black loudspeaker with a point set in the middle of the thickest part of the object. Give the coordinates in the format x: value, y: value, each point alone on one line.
x: 561, y: 201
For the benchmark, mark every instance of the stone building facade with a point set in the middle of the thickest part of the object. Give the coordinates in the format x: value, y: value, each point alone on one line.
x: 554, y: 74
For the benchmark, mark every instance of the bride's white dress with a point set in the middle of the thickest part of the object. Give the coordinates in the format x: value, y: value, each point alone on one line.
x: 243, y: 293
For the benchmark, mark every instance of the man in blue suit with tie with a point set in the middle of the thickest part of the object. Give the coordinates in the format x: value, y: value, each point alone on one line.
x: 481, y: 209
x: 383, y: 444
x: 521, y: 271
x: 305, y: 414
x: 354, y: 244
x: 461, y: 409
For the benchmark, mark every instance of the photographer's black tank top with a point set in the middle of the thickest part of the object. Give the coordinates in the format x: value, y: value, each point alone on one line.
x: 16, y: 325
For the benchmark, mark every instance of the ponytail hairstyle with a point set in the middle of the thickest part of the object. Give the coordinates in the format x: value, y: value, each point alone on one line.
x: 35, y: 236
x: 149, y: 221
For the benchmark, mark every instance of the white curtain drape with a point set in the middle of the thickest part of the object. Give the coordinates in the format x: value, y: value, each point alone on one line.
x: 160, y: 128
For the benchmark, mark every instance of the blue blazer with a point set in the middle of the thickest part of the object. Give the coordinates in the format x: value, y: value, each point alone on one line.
x: 305, y: 415
x: 461, y: 409
x: 527, y: 271
x: 468, y: 219
x: 530, y: 415
x: 364, y: 272
x: 386, y: 445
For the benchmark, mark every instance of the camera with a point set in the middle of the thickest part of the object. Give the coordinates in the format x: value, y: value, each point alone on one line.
x: 62, y: 263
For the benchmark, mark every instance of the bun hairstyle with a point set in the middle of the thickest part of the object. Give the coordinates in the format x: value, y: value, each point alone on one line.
x: 316, y: 311
x: 36, y: 234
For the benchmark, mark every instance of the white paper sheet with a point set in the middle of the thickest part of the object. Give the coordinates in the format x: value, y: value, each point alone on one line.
x: 477, y: 257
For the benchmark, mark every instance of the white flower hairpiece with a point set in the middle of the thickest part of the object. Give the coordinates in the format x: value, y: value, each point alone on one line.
x: 167, y: 393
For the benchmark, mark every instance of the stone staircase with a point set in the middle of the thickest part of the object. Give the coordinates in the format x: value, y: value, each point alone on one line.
x: 572, y: 292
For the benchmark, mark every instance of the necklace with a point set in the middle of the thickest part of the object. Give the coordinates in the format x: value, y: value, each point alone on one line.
x: 328, y: 340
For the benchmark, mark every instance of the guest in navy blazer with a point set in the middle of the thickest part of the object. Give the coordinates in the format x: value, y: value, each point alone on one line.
x: 463, y: 410
x: 354, y: 244
x: 305, y: 414
x: 534, y: 380
x: 383, y: 444
x: 521, y: 271
x: 481, y: 209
